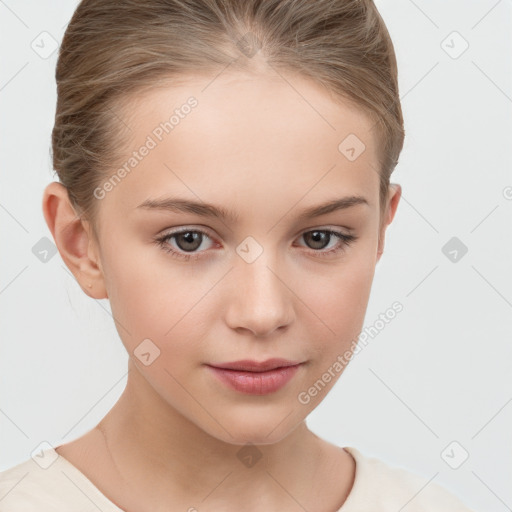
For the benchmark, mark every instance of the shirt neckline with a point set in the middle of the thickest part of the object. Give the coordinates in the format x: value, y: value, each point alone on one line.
x: 93, y: 491
x: 90, y: 488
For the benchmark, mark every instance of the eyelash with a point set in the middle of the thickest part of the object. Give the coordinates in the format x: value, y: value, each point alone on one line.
x: 346, y: 241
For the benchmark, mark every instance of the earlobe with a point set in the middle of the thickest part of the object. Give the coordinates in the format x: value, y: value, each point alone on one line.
x: 74, y: 241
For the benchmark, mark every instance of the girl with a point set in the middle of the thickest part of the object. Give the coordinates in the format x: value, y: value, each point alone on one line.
x: 224, y: 177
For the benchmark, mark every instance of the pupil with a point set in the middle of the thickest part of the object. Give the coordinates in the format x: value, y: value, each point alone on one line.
x: 190, y: 237
x: 317, y: 237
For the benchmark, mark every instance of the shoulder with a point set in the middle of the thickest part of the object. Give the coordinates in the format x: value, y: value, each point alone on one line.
x: 47, y: 482
x: 380, y: 486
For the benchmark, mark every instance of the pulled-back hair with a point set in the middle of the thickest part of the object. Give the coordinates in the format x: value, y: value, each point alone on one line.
x: 114, y: 48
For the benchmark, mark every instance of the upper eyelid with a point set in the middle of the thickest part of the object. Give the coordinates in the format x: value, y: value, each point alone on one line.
x: 205, y: 231
x: 178, y: 231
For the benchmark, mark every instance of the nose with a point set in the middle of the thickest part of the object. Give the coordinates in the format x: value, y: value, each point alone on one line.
x: 260, y: 299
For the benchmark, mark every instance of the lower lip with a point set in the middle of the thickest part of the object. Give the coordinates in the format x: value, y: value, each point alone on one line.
x: 256, y: 383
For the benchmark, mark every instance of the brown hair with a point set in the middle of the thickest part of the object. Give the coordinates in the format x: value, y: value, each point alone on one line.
x: 115, y: 48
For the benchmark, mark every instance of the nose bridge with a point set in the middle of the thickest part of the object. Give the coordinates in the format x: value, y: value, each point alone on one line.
x: 261, y: 301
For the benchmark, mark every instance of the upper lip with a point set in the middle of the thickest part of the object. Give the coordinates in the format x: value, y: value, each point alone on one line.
x: 256, y: 366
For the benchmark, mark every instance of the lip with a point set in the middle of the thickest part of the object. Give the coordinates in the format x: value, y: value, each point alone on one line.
x: 255, y: 366
x: 256, y: 378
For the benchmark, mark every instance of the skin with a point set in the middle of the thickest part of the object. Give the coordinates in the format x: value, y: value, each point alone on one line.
x: 267, y: 151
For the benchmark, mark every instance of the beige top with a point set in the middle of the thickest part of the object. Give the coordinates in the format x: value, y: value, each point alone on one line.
x: 53, y: 484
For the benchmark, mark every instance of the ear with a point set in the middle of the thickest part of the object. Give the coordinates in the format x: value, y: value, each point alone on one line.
x: 394, y: 195
x: 74, y: 239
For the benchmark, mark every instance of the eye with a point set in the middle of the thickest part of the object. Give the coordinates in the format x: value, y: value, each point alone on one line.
x: 186, y: 240
x: 318, y: 239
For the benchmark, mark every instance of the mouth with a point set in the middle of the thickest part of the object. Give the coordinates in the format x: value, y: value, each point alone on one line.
x: 256, y: 378
x: 255, y: 366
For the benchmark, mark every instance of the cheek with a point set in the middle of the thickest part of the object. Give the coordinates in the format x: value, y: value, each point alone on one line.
x: 152, y: 299
x: 339, y: 299
x: 152, y: 296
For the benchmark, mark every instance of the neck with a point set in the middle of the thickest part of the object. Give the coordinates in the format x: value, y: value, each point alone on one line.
x: 162, y: 454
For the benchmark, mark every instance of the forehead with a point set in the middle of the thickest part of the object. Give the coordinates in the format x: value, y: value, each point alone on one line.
x: 246, y: 137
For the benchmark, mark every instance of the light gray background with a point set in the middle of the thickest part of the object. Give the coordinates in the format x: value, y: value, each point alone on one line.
x: 439, y: 372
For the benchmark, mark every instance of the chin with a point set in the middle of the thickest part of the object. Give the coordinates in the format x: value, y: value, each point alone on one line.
x: 244, y: 437
x: 255, y: 427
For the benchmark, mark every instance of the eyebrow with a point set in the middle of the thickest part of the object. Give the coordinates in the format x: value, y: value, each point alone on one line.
x: 209, y: 210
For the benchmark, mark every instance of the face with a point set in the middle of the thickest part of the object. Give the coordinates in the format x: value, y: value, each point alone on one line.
x: 266, y: 279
